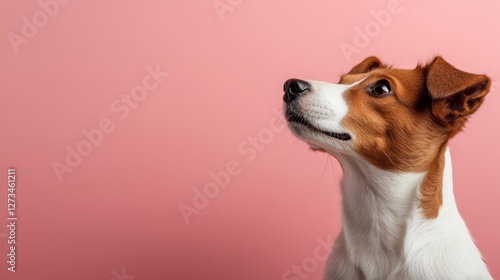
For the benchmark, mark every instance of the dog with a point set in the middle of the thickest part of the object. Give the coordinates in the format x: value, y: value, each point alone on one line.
x: 389, y: 129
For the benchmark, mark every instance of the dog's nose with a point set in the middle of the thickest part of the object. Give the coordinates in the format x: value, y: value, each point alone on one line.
x: 294, y: 88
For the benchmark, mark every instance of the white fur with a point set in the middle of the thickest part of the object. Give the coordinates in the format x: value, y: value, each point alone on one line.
x: 325, y: 107
x: 385, y: 234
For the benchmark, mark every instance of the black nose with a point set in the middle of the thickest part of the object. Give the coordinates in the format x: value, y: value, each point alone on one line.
x: 294, y: 88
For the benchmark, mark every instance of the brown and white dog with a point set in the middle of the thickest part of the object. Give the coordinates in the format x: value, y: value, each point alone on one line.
x: 389, y: 129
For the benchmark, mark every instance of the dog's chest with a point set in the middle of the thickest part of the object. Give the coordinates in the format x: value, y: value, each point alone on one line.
x: 375, y: 218
x: 377, y: 250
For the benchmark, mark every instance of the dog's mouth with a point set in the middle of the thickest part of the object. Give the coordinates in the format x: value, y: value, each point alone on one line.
x: 296, y: 118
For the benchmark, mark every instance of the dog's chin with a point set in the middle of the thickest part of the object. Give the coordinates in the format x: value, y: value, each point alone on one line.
x: 318, y: 140
x: 297, y: 120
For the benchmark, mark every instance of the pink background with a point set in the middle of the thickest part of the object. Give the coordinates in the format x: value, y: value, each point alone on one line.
x: 119, y: 208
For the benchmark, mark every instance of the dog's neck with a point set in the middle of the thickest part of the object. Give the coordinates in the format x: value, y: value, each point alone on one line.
x: 378, y: 206
x: 386, y: 233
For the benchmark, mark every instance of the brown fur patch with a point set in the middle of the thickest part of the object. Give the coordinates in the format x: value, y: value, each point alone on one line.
x: 431, y: 189
x: 408, y: 130
x: 393, y: 131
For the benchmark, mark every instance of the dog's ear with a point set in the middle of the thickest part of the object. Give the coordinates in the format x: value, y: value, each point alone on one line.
x: 455, y: 94
x: 366, y: 65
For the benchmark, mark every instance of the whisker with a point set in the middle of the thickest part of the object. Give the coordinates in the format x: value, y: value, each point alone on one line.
x: 324, y: 169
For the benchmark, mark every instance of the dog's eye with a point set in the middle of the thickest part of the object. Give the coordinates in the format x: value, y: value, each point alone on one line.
x: 380, y: 88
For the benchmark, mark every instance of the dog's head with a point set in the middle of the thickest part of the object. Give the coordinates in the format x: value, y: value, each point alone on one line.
x: 396, y: 119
